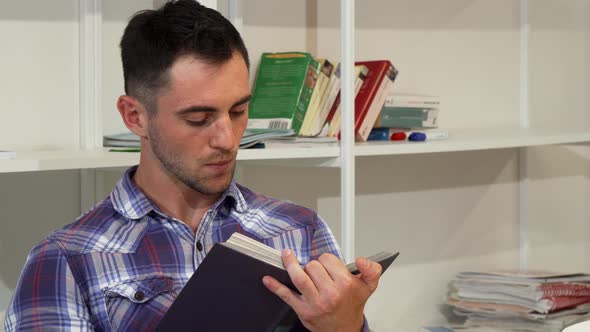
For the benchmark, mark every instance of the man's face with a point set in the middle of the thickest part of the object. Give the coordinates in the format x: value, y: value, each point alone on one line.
x: 200, y: 119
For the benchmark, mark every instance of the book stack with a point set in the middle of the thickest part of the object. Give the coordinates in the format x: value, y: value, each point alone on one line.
x: 250, y: 138
x: 121, y: 140
x: 519, y: 301
x: 405, y: 110
x: 254, y: 137
x: 405, y: 113
x: 294, y: 90
x: 5, y: 154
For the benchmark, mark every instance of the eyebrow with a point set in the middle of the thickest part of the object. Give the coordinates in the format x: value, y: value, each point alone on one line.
x: 211, y: 109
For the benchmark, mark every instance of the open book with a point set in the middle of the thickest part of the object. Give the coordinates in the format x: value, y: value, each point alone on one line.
x: 226, y: 292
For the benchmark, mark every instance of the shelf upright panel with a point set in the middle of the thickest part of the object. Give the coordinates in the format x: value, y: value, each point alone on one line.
x: 523, y: 180
x: 347, y: 172
x: 235, y: 15
x: 90, y: 25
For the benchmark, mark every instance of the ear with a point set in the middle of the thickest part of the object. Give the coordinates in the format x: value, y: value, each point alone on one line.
x: 134, y: 115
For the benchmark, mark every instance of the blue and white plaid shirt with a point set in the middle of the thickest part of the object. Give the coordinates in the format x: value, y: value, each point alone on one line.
x: 120, y: 265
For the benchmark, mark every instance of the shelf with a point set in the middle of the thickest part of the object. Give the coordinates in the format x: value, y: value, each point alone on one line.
x: 296, y: 151
x: 476, y: 139
x: 28, y: 161
x: 307, y: 155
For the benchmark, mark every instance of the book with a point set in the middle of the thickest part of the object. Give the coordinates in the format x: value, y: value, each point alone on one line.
x: 557, y: 324
x: 407, y: 117
x: 282, y: 90
x: 129, y: 142
x: 4, y: 154
x: 538, y: 291
x: 524, y: 276
x: 360, y: 73
x: 301, y: 142
x: 252, y: 137
x: 325, y: 71
x: 411, y: 100
x: 226, y: 292
x: 123, y: 149
x: 370, y: 99
x: 519, y: 299
x: 330, y: 95
x: 121, y: 140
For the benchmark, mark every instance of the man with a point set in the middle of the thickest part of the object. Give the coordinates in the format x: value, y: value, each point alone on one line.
x: 120, y: 266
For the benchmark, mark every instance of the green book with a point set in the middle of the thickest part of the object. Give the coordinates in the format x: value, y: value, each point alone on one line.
x: 407, y: 117
x: 282, y: 90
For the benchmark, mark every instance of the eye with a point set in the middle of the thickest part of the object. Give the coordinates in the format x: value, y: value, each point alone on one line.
x: 197, y: 122
x: 238, y: 112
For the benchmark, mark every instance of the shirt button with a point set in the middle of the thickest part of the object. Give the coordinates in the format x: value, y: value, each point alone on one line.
x: 199, y: 246
x: 139, y: 296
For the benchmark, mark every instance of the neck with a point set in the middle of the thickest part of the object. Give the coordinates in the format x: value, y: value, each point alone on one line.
x: 172, y: 196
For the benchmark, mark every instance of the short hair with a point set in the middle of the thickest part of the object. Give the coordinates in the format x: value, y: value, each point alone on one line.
x: 154, y: 39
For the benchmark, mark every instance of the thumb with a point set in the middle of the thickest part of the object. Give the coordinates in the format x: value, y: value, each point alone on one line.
x: 370, y: 272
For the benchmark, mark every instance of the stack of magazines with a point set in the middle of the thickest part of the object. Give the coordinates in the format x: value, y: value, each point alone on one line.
x: 250, y: 138
x: 519, y: 300
x: 122, y: 140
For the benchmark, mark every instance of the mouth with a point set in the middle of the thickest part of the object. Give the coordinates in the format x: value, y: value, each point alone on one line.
x: 220, y: 166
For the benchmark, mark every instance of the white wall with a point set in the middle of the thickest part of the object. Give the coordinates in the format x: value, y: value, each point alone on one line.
x: 39, y: 93
x: 32, y: 204
x: 39, y: 80
x: 115, y: 17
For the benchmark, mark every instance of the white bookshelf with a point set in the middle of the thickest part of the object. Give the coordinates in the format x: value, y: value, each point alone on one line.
x: 318, y: 155
x: 476, y: 139
x: 28, y: 161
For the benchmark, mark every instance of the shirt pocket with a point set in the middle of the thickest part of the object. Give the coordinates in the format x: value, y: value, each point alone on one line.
x: 139, y: 305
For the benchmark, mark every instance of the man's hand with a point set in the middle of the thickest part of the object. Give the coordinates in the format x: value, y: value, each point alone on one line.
x: 332, y: 299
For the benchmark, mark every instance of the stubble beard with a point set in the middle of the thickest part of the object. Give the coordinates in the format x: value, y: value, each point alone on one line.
x: 173, y: 164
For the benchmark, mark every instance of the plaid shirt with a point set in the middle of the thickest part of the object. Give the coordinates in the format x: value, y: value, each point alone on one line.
x: 120, y: 265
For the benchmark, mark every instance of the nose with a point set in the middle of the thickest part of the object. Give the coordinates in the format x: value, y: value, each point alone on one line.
x: 223, y: 136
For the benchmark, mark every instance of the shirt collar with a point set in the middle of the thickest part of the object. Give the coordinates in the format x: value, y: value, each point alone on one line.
x: 130, y: 202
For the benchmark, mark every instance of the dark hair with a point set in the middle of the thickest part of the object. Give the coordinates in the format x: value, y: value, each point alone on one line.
x: 154, y: 39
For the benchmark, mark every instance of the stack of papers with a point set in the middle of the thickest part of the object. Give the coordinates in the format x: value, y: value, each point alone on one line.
x: 127, y: 140
x: 7, y: 154
x: 250, y: 138
x: 520, y: 300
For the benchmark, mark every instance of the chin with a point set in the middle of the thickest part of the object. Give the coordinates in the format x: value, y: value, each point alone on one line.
x: 219, y: 186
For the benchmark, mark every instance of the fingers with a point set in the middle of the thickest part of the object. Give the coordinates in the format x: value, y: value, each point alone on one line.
x: 300, y: 279
x: 331, y: 297
x: 335, y: 267
x: 283, y: 292
x: 326, y: 277
x: 320, y: 277
x: 370, y: 272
